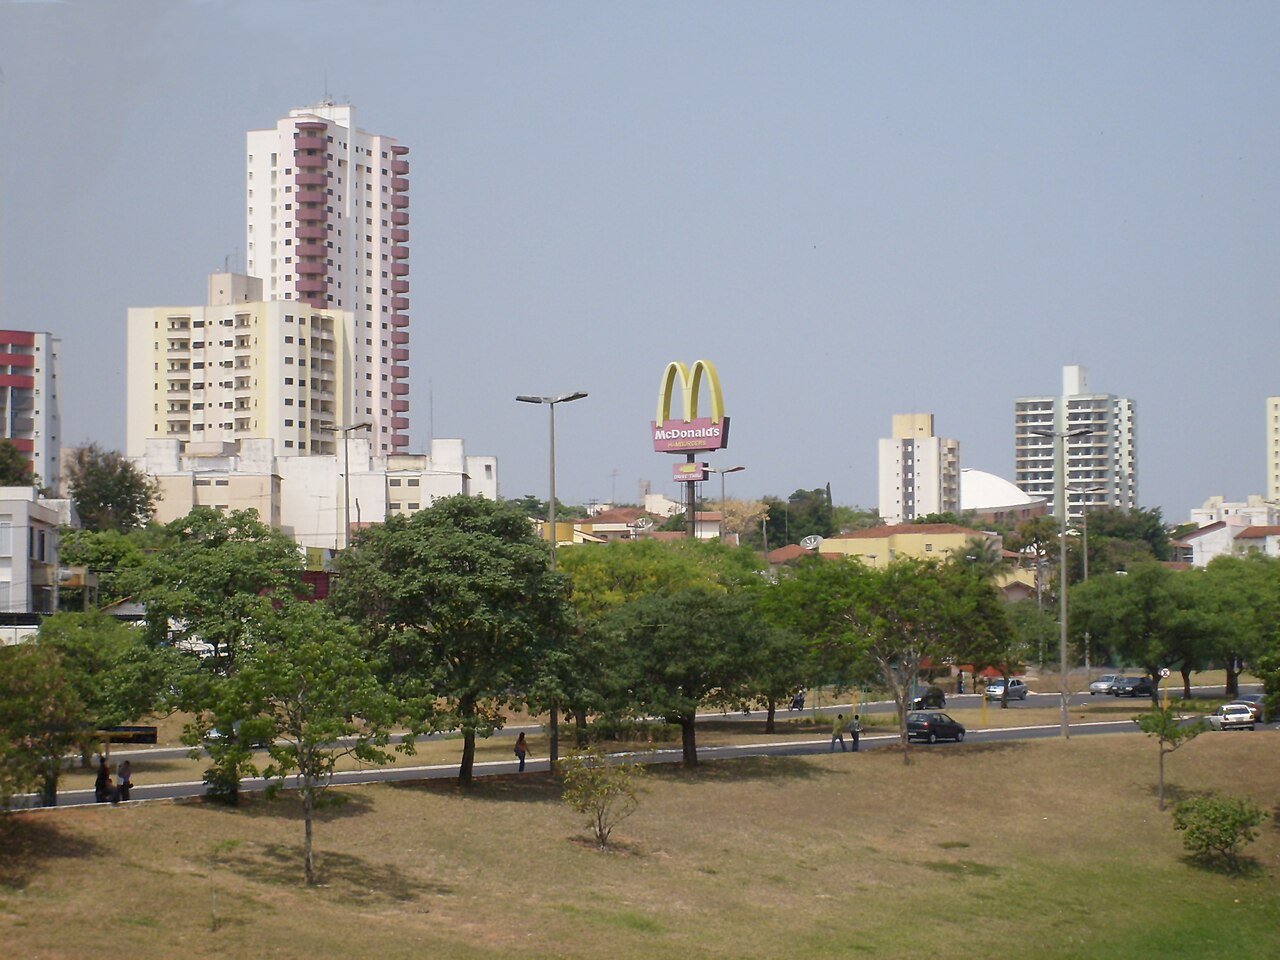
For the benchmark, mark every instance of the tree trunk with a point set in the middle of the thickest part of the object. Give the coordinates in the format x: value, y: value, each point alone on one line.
x: 49, y: 783
x: 580, y: 727
x: 1004, y: 694
x: 1233, y: 678
x: 687, y: 743
x: 467, y: 711
x: 768, y: 720
x: 1186, y: 682
x: 902, y: 730
x: 1160, y: 781
x: 308, y: 809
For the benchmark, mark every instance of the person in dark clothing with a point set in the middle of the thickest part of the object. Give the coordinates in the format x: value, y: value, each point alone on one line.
x: 102, y: 784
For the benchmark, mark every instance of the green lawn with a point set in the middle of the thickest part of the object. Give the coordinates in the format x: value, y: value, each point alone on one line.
x: 1056, y: 847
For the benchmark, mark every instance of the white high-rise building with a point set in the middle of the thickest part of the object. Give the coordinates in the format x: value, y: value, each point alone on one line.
x: 328, y: 224
x: 1101, y: 464
x: 238, y: 368
x: 1273, y: 448
x: 29, y: 415
x: 919, y: 473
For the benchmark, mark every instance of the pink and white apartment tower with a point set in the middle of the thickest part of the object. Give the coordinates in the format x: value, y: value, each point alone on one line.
x: 328, y: 224
x: 29, y: 415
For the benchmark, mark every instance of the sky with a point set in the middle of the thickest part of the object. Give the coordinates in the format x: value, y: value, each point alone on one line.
x: 852, y: 209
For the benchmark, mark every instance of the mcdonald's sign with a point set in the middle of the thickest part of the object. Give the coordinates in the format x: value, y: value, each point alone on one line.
x: 687, y: 432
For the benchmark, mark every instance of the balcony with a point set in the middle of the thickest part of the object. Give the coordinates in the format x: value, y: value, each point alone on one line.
x: 398, y: 167
x: 311, y: 214
x: 398, y: 269
x: 309, y: 143
x: 398, y: 217
x: 399, y: 354
x: 306, y: 179
x: 312, y: 286
x: 398, y: 303
x: 399, y: 389
x: 310, y: 160
x: 398, y: 320
x: 399, y: 440
x: 312, y: 233
x: 399, y: 253
x: 398, y: 286
x: 312, y: 125
x: 311, y: 267
x: 399, y: 337
x: 398, y: 201
x: 399, y: 184
x: 398, y: 234
x: 398, y: 371
x: 399, y: 150
x: 310, y: 196
x: 399, y: 406
x: 312, y: 250
x: 399, y: 423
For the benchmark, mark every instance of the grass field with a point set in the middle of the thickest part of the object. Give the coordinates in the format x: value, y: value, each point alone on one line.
x: 1048, y: 848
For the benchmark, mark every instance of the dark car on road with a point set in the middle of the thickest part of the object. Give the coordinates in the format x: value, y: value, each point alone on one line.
x: 933, y: 726
x: 1132, y: 687
x: 934, y: 698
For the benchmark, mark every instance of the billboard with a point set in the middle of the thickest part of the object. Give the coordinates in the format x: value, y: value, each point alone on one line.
x: 694, y: 472
x: 687, y: 432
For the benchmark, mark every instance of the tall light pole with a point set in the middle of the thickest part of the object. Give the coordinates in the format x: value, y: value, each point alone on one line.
x: 722, y: 500
x: 346, y: 479
x: 553, y: 727
x: 1060, y: 438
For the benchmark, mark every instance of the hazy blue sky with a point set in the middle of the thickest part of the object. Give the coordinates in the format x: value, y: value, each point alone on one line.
x: 853, y: 209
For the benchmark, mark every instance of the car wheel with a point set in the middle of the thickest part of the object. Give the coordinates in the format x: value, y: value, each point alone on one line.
x: 933, y: 738
x: 960, y: 737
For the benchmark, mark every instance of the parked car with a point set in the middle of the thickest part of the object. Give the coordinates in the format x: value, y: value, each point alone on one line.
x: 934, y: 698
x: 1232, y: 716
x: 1103, y: 684
x: 1017, y: 689
x: 933, y: 726
x: 1132, y: 687
x: 1254, y: 702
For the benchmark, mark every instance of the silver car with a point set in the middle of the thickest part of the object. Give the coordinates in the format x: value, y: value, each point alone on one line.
x: 1017, y: 690
x: 1103, y: 684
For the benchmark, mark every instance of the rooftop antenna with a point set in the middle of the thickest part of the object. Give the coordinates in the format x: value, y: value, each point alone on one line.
x: 613, y: 489
x: 431, y: 413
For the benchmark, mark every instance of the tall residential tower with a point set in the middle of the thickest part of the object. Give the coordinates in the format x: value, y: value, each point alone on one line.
x: 328, y: 224
x: 1273, y: 448
x: 919, y: 473
x: 1101, y: 464
x: 29, y: 415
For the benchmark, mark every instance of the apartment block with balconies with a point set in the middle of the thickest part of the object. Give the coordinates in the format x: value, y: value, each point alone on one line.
x: 328, y: 225
x: 29, y: 413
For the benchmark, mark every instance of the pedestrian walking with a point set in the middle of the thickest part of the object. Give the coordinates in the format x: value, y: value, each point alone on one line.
x: 124, y: 778
x: 522, y: 750
x: 959, y: 681
x: 102, y: 783
x: 855, y: 730
x: 837, y: 733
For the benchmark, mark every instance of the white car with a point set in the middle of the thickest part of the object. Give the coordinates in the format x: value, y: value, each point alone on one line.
x: 1103, y: 684
x: 1232, y: 716
x: 1017, y: 689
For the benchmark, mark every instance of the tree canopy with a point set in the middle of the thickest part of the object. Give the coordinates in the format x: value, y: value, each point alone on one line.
x: 109, y: 492
x: 15, y: 467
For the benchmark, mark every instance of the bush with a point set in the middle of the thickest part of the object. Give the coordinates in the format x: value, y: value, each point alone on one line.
x: 1216, y: 827
x: 624, y: 730
x: 604, y: 790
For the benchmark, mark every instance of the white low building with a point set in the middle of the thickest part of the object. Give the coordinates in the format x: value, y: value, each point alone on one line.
x: 29, y: 526
x: 313, y: 499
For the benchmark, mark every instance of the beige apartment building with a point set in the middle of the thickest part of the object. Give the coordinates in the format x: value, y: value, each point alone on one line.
x: 236, y: 368
x: 919, y: 472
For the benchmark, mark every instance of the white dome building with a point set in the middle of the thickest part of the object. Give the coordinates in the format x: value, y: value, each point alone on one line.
x: 995, y: 499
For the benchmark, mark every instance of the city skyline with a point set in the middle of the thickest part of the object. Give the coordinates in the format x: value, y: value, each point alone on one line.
x: 853, y: 212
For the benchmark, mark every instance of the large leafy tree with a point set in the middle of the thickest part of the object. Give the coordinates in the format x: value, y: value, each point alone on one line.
x: 117, y: 558
x: 462, y: 610
x: 215, y: 579
x: 1243, y: 597
x: 109, y: 492
x: 1138, y: 525
x: 1147, y: 616
x: 804, y: 513
x: 679, y: 651
x: 315, y: 698
x: 41, y: 718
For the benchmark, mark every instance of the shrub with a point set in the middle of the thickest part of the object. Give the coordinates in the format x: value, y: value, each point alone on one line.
x: 604, y: 790
x: 625, y: 730
x: 1216, y: 827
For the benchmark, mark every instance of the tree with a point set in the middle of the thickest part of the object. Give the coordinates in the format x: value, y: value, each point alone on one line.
x: 315, y: 698
x: 109, y: 492
x: 743, y: 517
x: 115, y: 674
x: 215, y: 579
x: 1141, y: 615
x: 1243, y: 594
x: 15, y: 468
x: 1214, y: 828
x: 1033, y: 539
x: 847, y: 519
x: 461, y: 609
x: 1170, y: 732
x: 804, y: 513
x: 41, y: 718
x: 605, y: 790
x: 679, y: 651
x: 117, y: 558
x: 1137, y: 525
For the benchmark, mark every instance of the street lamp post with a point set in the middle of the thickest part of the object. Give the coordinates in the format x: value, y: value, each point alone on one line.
x: 346, y: 479
x: 722, y: 500
x: 1060, y: 438
x: 553, y: 725
x: 1084, y: 554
